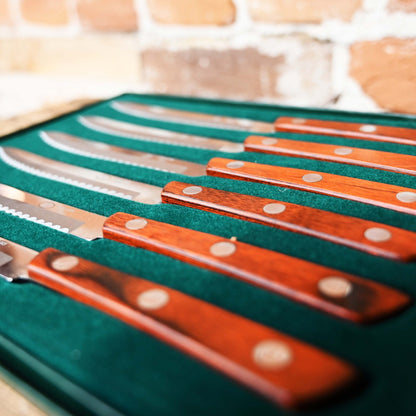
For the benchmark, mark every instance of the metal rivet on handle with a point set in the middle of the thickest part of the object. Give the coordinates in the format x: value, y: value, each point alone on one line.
x: 406, y: 197
x: 244, y: 122
x: 235, y: 165
x: 153, y: 299
x: 312, y: 177
x: 136, y: 224
x: 342, y: 151
x: 274, y: 208
x: 47, y: 205
x: 368, y: 128
x: 269, y: 141
x: 335, y: 287
x: 192, y: 190
x: 298, y: 120
x: 65, y: 263
x: 272, y: 355
x: 222, y: 249
x: 377, y: 234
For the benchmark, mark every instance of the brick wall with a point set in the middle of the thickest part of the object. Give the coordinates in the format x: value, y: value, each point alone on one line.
x: 354, y: 54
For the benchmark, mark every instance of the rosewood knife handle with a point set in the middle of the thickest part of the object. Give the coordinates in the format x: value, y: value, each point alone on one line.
x: 394, y: 162
x: 374, y: 193
x: 326, y: 289
x: 362, y: 131
x: 371, y: 237
x: 285, y: 370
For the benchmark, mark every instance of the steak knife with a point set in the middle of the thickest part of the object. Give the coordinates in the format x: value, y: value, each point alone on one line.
x: 394, y: 162
x: 362, y: 131
x: 368, y: 236
x: 374, y: 193
x: 323, y: 288
x: 283, y: 369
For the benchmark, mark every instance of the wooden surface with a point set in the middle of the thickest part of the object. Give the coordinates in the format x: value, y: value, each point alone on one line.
x: 15, y: 404
x: 223, y: 340
x: 337, y: 228
x: 393, y: 162
x: 344, y: 129
x: 373, y: 193
x: 294, y: 278
x: 26, y: 120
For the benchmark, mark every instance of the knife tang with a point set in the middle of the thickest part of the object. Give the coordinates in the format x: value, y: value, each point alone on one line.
x: 374, y: 193
x: 285, y: 370
x: 394, y: 162
x: 368, y: 236
x: 326, y: 289
x: 192, y: 118
x: 362, y: 131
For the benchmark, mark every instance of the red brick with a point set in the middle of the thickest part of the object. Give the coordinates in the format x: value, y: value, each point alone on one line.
x: 302, y: 11
x: 408, y: 6
x: 386, y: 71
x: 5, y: 18
x: 47, y: 12
x: 193, y: 12
x: 241, y: 73
x: 108, y: 15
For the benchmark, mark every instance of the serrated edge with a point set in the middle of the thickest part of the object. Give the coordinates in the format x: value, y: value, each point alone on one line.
x: 67, y: 148
x: 28, y: 217
x: 87, y: 122
x: 37, y: 172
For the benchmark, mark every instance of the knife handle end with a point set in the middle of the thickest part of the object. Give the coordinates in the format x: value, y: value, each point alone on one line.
x: 287, y: 371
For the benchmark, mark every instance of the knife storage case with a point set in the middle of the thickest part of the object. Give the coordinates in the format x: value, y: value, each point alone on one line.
x: 88, y: 363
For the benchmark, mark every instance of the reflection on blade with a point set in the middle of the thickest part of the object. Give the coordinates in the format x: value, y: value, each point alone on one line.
x: 193, y: 118
x: 50, y: 213
x: 98, y: 150
x: 80, y: 177
x: 150, y: 134
x: 14, y: 260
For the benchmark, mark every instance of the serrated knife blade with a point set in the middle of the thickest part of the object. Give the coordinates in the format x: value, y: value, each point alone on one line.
x: 193, y: 118
x: 346, y: 129
x: 103, y: 151
x: 49, y: 213
x: 151, y: 134
x: 81, y: 177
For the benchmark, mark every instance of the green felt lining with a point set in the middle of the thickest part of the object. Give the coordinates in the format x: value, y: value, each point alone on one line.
x: 136, y: 374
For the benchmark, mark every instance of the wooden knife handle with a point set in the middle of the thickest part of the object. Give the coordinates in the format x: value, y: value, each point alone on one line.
x: 362, y: 131
x: 394, y: 162
x: 374, y: 193
x: 370, y: 237
x: 285, y: 370
x: 329, y: 290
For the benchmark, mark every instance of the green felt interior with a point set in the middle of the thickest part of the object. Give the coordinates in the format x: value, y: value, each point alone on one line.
x: 133, y: 373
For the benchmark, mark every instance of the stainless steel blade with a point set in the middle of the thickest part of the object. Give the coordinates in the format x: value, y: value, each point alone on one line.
x: 150, y: 134
x: 61, y: 217
x: 80, y: 177
x: 193, y: 118
x: 104, y: 151
x: 14, y: 260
